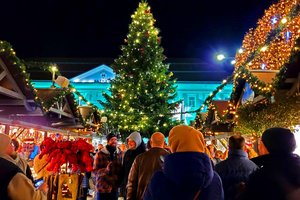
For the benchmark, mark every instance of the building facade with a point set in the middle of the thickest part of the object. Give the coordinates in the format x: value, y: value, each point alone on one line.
x: 193, y: 85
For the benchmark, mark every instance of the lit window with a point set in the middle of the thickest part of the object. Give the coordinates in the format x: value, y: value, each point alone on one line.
x: 192, y: 101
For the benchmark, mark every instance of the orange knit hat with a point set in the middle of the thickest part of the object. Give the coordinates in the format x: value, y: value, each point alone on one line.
x: 184, y: 138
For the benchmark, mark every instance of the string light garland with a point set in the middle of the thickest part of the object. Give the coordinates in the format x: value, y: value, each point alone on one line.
x: 7, y: 51
x: 270, y: 46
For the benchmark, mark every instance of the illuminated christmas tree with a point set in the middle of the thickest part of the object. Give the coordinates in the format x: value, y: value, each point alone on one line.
x: 142, y: 92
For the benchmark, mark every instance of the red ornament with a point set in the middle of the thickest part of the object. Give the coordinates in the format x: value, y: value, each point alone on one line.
x: 176, y: 104
x: 147, y: 11
x: 142, y: 50
x: 158, y: 40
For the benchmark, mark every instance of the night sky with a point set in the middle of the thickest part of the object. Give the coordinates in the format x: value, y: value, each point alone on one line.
x: 97, y: 28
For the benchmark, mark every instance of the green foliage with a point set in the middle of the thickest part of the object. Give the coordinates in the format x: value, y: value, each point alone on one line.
x: 254, y: 119
x: 143, y: 87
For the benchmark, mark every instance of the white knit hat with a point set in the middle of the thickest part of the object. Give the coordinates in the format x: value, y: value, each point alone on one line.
x: 5, y: 141
x: 136, y: 137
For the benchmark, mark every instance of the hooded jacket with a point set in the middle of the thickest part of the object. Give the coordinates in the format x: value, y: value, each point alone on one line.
x: 129, y: 157
x: 183, y: 175
x: 186, y: 171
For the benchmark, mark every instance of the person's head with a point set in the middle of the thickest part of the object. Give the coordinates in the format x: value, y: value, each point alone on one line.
x: 236, y: 142
x: 279, y: 140
x: 134, y: 140
x: 15, y: 143
x: 157, y: 140
x: 184, y: 138
x: 112, y: 140
x: 100, y: 146
x: 262, y: 150
x: 211, y: 148
x: 218, y: 154
x: 6, y: 146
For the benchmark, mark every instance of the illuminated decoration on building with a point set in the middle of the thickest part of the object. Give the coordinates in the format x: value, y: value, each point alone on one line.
x: 266, y: 50
x: 271, y: 46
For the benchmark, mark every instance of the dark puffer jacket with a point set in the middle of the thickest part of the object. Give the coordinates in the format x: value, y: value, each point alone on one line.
x: 278, y: 179
x: 234, y: 171
x: 183, y: 175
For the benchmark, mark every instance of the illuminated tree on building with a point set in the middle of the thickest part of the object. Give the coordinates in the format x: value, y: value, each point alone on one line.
x: 143, y: 91
x: 268, y: 62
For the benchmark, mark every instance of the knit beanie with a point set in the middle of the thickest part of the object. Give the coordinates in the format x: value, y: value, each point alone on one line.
x: 109, y: 136
x: 184, y: 138
x: 279, y: 140
x: 136, y: 137
x: 5, y: 140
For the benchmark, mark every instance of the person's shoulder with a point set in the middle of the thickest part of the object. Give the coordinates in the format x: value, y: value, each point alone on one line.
x: 222, y: 164
x: 251, y: 163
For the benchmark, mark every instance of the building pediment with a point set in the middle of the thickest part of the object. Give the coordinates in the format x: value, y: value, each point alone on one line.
x: 102, y: 74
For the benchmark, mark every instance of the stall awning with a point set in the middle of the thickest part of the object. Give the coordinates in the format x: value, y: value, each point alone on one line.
x: 38, y: 127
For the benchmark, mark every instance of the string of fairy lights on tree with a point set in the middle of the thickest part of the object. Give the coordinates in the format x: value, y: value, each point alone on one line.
x: 143, y: 91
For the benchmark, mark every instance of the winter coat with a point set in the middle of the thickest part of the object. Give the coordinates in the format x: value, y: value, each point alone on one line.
x: 128, y: 159
x: 107, y: 170
x: 142, y: 170
x: 185, y: 174
x: 278, y: 179
x: 260, y: 161
x: 22, y: 164
x: 14, y: 184
x: 234, y: 171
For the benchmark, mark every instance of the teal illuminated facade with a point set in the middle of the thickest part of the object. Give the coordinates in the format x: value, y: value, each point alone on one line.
x: 92, y: 83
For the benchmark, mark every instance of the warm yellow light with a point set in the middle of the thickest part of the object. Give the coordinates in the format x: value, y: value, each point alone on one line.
x: 54, y: 68
x: 264, y: 48
x: 284, y: 20
x: 220, y: 57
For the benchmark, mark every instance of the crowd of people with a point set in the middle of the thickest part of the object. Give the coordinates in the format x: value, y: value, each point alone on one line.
x: 190, y: 169
x: 187, y: 168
